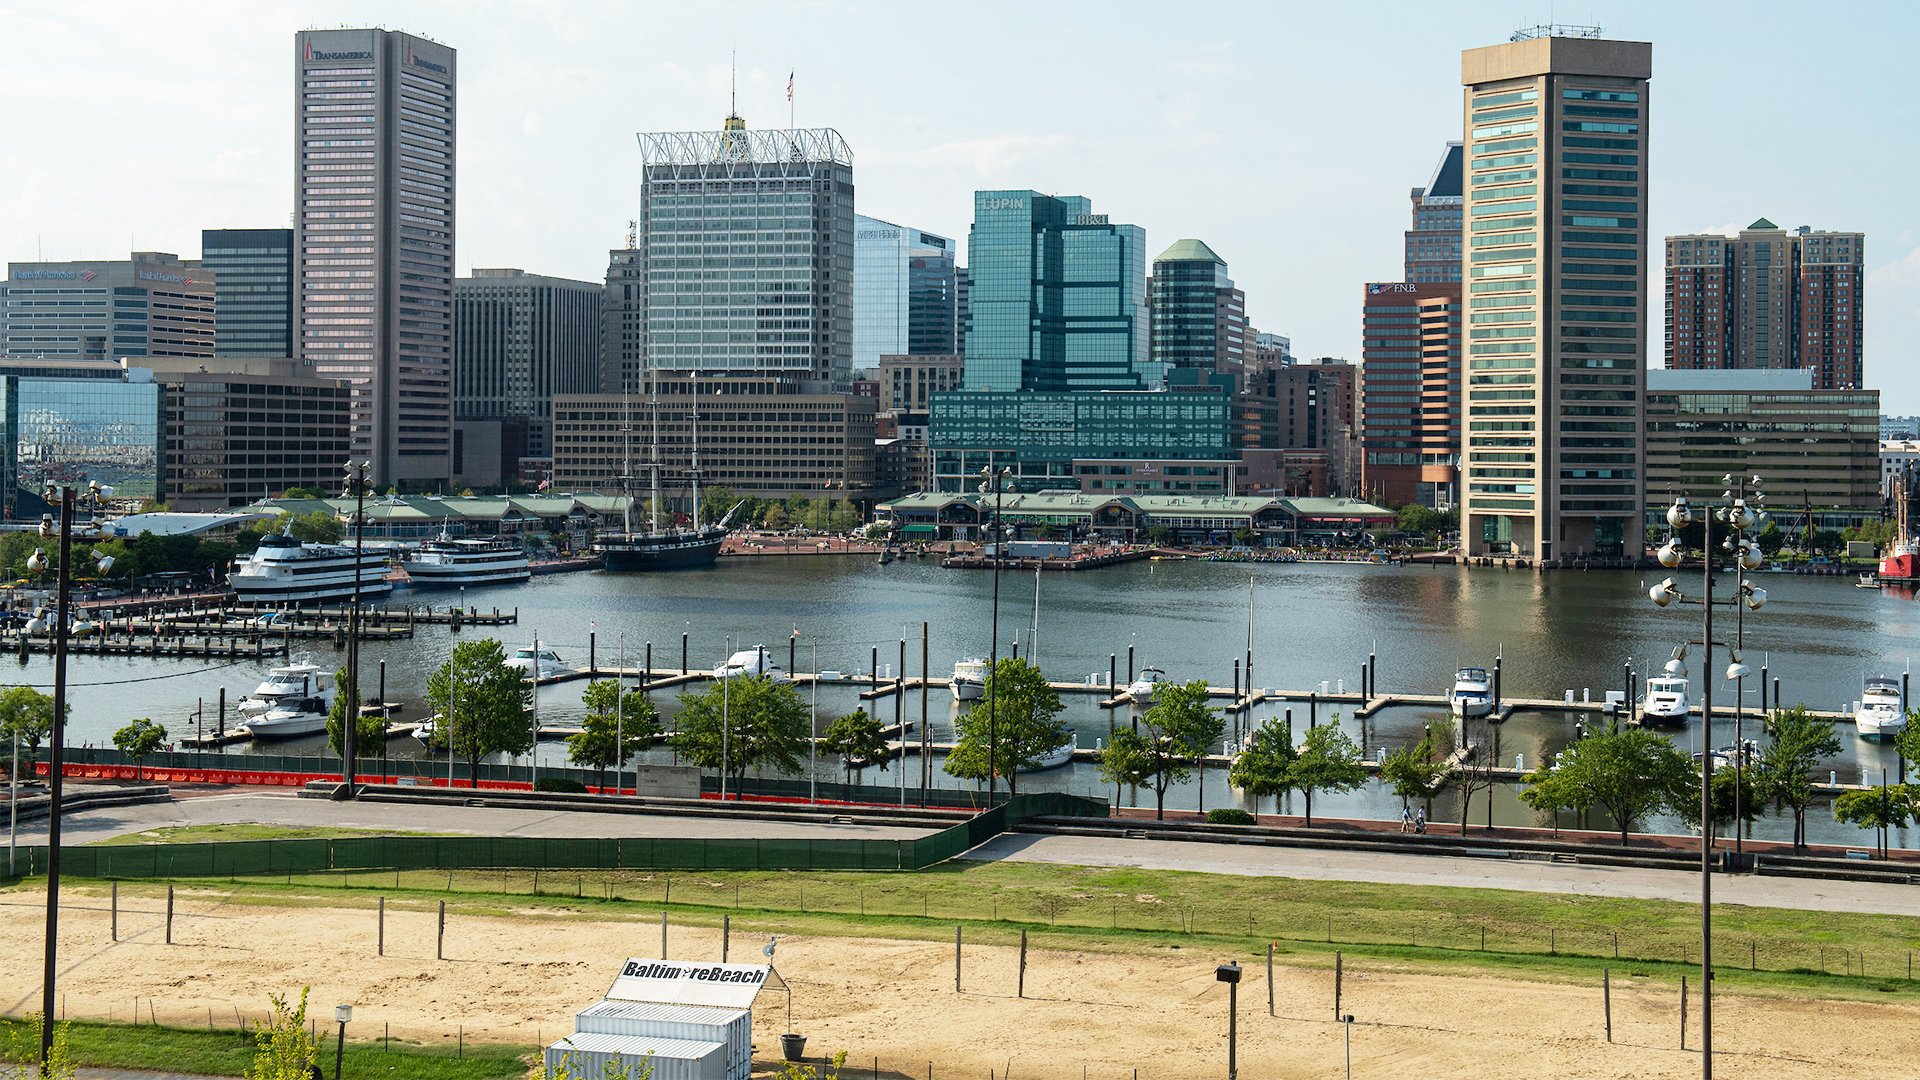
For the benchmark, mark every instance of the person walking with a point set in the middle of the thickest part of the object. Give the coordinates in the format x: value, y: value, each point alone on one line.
x: 1420, y: 822
x: 1406, y: 819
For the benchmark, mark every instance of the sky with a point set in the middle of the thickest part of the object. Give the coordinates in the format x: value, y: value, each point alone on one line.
x: 1286, y: 136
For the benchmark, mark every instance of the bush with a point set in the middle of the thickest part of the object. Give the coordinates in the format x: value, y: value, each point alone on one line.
x: 562, y: 785
x: 1231, y: 815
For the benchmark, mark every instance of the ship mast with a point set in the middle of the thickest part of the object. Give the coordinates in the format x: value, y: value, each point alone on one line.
x: 626, y: 456
x: 695, y: 398
x: 654, y: 505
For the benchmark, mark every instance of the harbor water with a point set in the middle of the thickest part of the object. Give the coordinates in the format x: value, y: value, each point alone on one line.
x: 1311, y: 623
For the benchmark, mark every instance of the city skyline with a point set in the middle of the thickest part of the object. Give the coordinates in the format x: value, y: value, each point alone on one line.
x: 1301, y: 191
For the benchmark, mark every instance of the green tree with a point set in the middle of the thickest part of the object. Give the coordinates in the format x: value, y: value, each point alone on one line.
x: 843, y: 517
x: 26, y: 714
x: 1264, y: 768
x: 282, y: 1048
x: 1907, y: 741
x: 140, y: 740
x: 1417, y: 771
x: 1629, y: 773
x: 1825, y: 541
x: 1015, y: 723
x: 318, y: 527
x: 1783, y: 771
x: 484, y: 705
x: 856, y: 737
x: 617, y: 727
x: 1548, y: 791
x: 1159, y: 535
x: 1329, y: 760
x: 1124, y: 761
x: 369, y: 738
x: 1879, y: 808
x: 1179, y: 728
x: 741, y: 723
x: 1771, y: 539
x: 774, y: 519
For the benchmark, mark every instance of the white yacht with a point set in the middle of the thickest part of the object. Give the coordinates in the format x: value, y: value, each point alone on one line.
x: 296, y: 701
x: 445, y: 562
x: 1472, y: 693
x: 1666, y: 700
x: 285, y: 570
x: 1141, y: 690
x: 969, y: 682
x: 751, y: 663
x: 1878, y: 715
x: 1059, y: 755
x: 541, y: 663
x: 281, y: 685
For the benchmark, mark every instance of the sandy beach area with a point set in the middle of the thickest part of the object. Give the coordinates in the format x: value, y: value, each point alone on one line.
x: 520, y: 976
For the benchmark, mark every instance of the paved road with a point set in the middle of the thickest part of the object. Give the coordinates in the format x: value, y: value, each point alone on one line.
x: 283, y: 808
x: 1396, y: 869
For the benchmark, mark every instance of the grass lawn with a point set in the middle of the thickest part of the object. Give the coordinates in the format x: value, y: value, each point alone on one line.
x: 195, y: 834
x: 1137, y: 910
x: 226, y: 1052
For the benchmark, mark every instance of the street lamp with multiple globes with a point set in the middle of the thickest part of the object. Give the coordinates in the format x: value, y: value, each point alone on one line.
x: 1739, y: 516
x: 68, y: 500
x: 997, y: 482
x: 355, y: 488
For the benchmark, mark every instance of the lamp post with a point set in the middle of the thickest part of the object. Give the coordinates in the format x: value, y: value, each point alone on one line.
x: 67, y: 499
x: 342, y: 1014
x: 356, y: 489
x: 1739, y: 518
x: 1230, y: 974
x: 998, y: 482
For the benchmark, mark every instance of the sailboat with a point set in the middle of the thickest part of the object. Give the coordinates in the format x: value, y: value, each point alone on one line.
x: 657, y: 548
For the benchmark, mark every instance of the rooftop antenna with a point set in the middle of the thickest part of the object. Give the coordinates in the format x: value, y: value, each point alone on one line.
x: 733, y: 83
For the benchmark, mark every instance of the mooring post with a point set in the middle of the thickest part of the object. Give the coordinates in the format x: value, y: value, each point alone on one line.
x: 683, y: 653
x: 1129, y: 663
x: 593, y: 654
x: 1112, y: 662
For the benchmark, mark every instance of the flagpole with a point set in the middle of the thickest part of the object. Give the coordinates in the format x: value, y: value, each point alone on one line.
x: 790, y: 123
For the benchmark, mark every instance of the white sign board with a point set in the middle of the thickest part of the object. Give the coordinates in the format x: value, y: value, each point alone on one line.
x: 732, y: 986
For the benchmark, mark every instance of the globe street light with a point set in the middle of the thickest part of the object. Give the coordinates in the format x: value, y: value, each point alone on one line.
x: 68, y: 500
x: 1738, y: 517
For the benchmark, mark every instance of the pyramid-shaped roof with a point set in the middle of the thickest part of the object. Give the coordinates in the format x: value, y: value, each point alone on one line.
x: 1189, y: 251
x: 1763, y: 223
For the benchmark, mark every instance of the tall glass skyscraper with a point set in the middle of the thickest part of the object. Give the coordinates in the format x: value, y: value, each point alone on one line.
x: 374, y: 183
x: 1057, y: 297
x: 1199, y: 318
x: 905, y: 296
x: 746, y: 249
x: 1556, y: 295
x: 253, y: 297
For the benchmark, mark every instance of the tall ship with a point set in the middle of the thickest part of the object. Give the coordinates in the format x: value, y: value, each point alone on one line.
x: 691, y: 545
x: 285, y: 570
x: 445, y: 562
x: 1899, y: 563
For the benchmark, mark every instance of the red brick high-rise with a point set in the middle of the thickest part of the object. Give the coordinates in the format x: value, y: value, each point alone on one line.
x: 1769, y: 299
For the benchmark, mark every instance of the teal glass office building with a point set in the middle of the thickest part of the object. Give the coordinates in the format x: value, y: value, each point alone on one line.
x: 1057, y: 297
x: 71, y: 423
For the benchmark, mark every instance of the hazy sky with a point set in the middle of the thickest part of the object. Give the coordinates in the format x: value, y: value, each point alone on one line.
x: 1285, y: 136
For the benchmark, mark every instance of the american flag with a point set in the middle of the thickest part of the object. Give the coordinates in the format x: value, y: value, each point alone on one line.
x: 789, y: 85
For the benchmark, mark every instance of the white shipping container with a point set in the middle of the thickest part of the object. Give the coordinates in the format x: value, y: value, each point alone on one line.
x: 695, y: 1023
x: 672, y: 1059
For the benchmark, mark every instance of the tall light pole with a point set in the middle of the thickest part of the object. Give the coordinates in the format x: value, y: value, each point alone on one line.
x: 67, y: 499
x: 1739, y: 518
x: 356, y: 489
x: 998, y: 482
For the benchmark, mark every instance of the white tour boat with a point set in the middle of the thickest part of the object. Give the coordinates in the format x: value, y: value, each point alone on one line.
x: 293, y: 701
x: 542, y: 663
x: 445, y: 563
x: 969, y: 682
x: 752, y: 663
x: 1141, y: 690
x: 1666, y: 700
x: 1878, y: 716
x: 284, y: 570
x: 1472, y: 693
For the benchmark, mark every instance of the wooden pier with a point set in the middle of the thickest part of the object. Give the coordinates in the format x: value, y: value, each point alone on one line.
x: 177, y: 648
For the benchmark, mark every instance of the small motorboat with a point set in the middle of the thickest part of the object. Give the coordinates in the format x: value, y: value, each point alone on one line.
x: 1666, y: 700
x: 969, y: 682
x: 1058, y: 756
x: 1878, y: 716
x: 752, y: 663
x: 1472, y: 693
x: 1868, y: 580
x: 542, y: 663
x: 1141, y: 690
